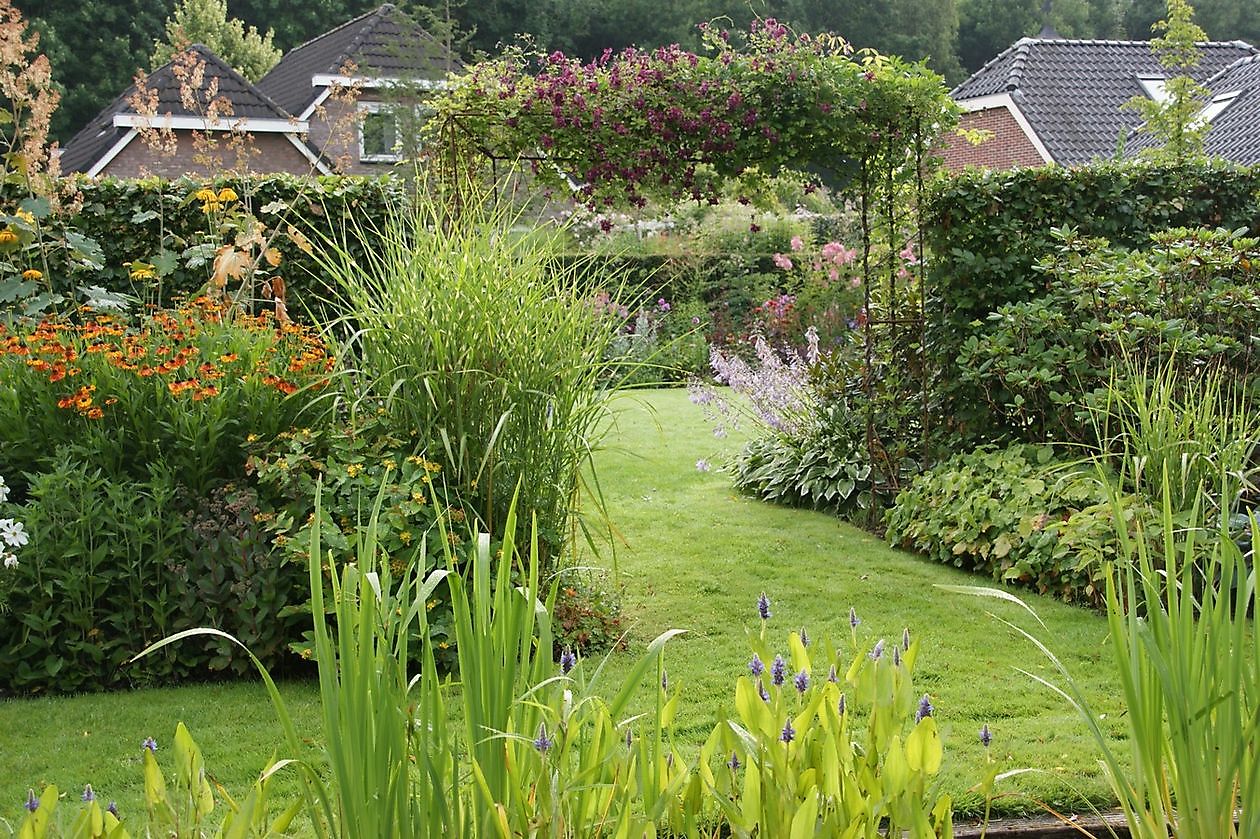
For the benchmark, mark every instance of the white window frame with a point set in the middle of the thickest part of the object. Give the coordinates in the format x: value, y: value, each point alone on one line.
x: 365, y: 108
x: 1217, y: 105
x: 1155, y: 87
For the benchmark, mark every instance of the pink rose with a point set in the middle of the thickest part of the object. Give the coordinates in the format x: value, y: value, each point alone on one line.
x: 782, y: 261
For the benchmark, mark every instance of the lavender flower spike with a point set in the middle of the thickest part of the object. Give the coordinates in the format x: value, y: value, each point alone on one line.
x: 905, y: 638
x: 789, y: 733
x: 763, y: 606
x: 804, y: 637
x: 801, y: 681
x: 756, y: 666
x: 567, y: 661
x: 778, y: 670
x: 88, y: 794
x: 854, y: 620
x: 542, y: 742
x: 840, y: 705
x: 877, y: 651
x: 986, y: 736
x: 925, y: 709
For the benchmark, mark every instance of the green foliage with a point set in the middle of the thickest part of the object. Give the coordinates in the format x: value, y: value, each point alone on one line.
x: 586, y: 615
x: 1044, y: 364
x: 664, y: 342
x: 358, y: 463
x: 852, y: 753
x: 473, y: 335
x: 1019, y: 514
x: 1174, y: 122
x: 161, y: 225
x: 206, y: 22
x: 988, y: 230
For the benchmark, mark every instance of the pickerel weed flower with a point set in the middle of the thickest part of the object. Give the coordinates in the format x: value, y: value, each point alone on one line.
x: 112, y: 809
x: 763, y: 607
x: 32, y: 803
x: 789, y: 733
x: 986, y: 736
x: 567, y: 661
x: 778, y: 670
x: 804, y: 637
x: 756, y: 666
x: 762, y: 692
x: 905, y: 638
x: 832, y: 676
x: 664, y: 680
x: 854, y: 620
x: 801, y: 681
x: 88, y: 794
x: 877, y: 652
x: 734, y: 763
x: 150, y: 744
x: 925, y: 709
x: 542, y: 742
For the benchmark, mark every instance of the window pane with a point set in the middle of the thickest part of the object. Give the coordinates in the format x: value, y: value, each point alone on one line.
x: 380, y: 134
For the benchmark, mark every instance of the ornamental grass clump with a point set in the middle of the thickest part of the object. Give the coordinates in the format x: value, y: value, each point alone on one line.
x: 475, y: 336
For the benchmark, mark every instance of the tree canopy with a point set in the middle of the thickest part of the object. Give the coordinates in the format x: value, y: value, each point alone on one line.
x: 206, y: 22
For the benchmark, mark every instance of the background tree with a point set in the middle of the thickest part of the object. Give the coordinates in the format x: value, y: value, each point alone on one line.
x: 1175, y: 121
x: 207, y: 22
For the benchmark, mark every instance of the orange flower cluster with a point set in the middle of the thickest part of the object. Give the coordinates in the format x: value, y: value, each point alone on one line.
x: 165, y: 345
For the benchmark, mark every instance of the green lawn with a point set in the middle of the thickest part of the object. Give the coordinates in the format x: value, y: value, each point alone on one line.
x: 695, y: 556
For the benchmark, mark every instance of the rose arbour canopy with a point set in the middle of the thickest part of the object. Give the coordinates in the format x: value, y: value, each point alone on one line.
x: 668, y: 123
x: 671, y: 124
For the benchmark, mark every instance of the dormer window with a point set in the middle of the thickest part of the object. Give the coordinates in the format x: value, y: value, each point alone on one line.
x: 1218, y: 104
x: 1155, y: 87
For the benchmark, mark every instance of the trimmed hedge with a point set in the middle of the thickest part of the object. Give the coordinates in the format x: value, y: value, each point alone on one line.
x: 986, y: 231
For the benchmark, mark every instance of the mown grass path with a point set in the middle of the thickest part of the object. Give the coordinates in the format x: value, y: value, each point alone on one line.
x: 694, y: 556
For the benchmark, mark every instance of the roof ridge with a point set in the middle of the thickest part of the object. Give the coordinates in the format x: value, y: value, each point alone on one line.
x: 1016, y: 73
x: 1238, y: 43
x: 992, y: 61
x: 364, y: 32
x: 1238, y: 62
x: 337, y: 29
x: 249, y: 86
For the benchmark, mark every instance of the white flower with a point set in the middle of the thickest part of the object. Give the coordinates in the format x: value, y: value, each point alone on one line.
x: 13, y: 533
x: 4, y: 491
x: 10, y: 561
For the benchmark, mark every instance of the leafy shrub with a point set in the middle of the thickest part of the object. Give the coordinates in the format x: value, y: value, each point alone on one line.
x: 184, y: 387
x: 351, y: 469
x: 1044, y: 366
x: 664, y: 343
x: 1018, y: 514
x: 986, y: 232
x: 93, y: 581
x: 586, y: 615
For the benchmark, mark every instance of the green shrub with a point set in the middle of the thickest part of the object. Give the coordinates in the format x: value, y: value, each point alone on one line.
x: 1019, y: 514
x: 986, y: 232
x: 1043, y: 366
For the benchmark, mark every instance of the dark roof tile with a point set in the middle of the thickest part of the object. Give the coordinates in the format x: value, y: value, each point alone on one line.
x: 1071, y: 91
x: 382, y: 43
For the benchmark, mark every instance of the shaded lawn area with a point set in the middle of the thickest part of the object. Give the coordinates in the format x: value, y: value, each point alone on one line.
x: 695, y: 556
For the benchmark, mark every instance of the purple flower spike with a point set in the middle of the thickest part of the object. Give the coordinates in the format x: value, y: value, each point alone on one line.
x: 840, y: 705
x: 733, y: 762
x: 896, y: 656
x: 789, y: 733
x: 905, y: 638
x: 877, y: 652
x: 629, y: 737
x: 32, y: 803
x: 88, y: 795
x: 112, y: 809
x: 986, y: 736
x: 925, y: 709
x: 664, y: 680
x: 778, y: 670
x: 567, y: 661
x: 150, y: 744
x: 832, y: 676
x: 763, y: 607
x: 761, y: 691
x: 804, y: 637
x: 542, y: 742
x: 756, y: 666
x: 854, y: 620
x: 801, y: 681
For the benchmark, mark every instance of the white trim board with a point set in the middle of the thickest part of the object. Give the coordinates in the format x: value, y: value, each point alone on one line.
x: 260, y: 125
x: 105, y: 159
x: 374, y: 82
x: 1005, y: 100
x: 316, y: 160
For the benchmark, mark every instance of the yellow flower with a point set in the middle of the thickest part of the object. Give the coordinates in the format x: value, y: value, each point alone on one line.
x: 431, y: 604
x: 442, y: 645
x: 142, y: 271
x: 418, y: 497
x: 389, y: 463
x: 415, y: 459
x: 227, y: 194
x: 211, y: 206
x: 7, y: 237
x: 252, y: 438
x: 26, y: 216
x: 206, y: 194
x: 32, y: 274
x: 405, y: 537
x: 354, y: 470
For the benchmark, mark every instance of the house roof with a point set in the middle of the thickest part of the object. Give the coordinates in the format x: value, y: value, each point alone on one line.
x: 1071, y: 91
x: 100, y: 135
x: 384, y: 43
x: 1235, y: 132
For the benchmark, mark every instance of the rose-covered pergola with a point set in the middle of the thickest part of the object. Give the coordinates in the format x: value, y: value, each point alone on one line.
x: 672, y: 125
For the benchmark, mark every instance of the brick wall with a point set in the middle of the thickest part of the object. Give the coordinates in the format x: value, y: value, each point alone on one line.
x: 263, y: 153
x: 1007, y: 148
